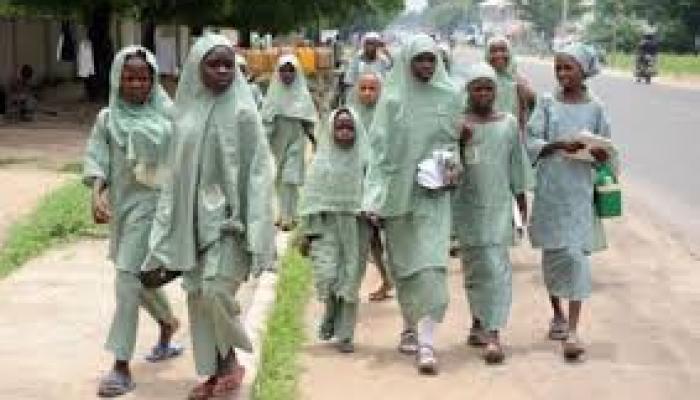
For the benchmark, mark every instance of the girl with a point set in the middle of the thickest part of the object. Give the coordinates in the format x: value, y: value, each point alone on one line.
x: 564, y: 224
x: 123, y: 152
x: 416, y: 116
x: 513, y: 94
x: 214, y: 215
x: 289, y: 115
x: 254, y: 88
x: 494, y: 169
x: 334, y: 226
x: 363, y: 101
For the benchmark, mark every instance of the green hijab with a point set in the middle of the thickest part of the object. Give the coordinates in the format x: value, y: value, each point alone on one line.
x: 293, y: 101
x: 364, y: 112
x: 511, y: 70
x: 138, y: 129
x: 336, y: 174
x: 247, y: 184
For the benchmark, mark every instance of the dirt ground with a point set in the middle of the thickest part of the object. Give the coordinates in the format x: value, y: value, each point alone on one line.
x: 641, y: 327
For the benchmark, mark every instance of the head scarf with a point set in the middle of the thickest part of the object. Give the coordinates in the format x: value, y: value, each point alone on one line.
x: 512, y: 67
x: 370, y: 36
x: 341, y: 169
x: 481, y: 70
x: 293, y: 101
x: 139, y: 129
x: 364, y: 112
x: 586, y: 57
x: 198, y: 113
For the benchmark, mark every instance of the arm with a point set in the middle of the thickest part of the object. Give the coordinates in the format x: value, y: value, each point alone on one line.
x: 96, y: 166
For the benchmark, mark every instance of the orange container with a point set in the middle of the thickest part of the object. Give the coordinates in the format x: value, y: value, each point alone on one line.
x: 256, y: 61
x: 271, y: 55
x: 324, y: 58
x: 307, y: 58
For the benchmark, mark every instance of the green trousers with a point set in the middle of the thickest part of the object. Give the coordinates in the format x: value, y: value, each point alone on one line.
x: 130, y: 296
x: 339, y: 319
x: 214, y: 313
x: 487, y: 273
x: 288, y: 199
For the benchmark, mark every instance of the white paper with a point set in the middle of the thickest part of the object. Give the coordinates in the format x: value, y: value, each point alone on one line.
x: 432, y: 171
x: 590, y: 141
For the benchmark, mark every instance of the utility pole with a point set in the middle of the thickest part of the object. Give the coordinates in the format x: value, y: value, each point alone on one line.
x: 564, y: 12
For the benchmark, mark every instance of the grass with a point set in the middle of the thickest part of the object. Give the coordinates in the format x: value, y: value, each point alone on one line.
x: 279, y: 366
x: 62, y: 215
x: 669, y: 64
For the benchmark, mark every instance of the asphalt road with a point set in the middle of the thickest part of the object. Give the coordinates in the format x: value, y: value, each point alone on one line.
x: 655, y: 128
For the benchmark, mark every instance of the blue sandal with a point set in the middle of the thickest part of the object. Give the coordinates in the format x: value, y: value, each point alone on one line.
x: 161, y: 353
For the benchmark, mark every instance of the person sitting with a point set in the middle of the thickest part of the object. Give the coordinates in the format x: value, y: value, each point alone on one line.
x: 22, y: 95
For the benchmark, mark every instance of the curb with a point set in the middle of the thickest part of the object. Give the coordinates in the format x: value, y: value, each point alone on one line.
x: 256, y: 320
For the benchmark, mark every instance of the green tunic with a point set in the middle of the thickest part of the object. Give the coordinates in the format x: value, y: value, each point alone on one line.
x: 484, y: 214
x: 289, y: 115
x: 214, y: 219
x: 412, y: 120
x: 340, y: 235
x: 124, y: 149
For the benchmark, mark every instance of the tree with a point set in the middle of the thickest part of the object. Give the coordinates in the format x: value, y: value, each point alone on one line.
x: 546, y: 15
x: 447, y: 15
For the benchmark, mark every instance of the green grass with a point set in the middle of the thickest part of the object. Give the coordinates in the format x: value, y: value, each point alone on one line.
x: 669, y: 64
x: 63, y: 214
x: 279, y: 365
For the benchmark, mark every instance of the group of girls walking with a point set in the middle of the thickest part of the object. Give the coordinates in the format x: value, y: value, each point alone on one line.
x: 189, y: 187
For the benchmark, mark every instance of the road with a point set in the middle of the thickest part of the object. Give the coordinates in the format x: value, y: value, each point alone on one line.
x: 654, y: 127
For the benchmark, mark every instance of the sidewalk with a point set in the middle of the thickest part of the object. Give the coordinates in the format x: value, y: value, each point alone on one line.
x: 641, y: 327
x: 54, y: 317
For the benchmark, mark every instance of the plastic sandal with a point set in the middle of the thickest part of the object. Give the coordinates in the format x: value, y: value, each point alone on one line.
x: 161, y: 353
x: 115, y: 384
x: 408, y: 343
x: 230, y: 383
x: 558, y: 329
x: 426, y: 360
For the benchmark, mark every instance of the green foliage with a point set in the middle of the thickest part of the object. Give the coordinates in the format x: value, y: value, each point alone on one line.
x: 62, y: 215
x: 279, y: 366
x: 446, y: 15
x: 546, y: 15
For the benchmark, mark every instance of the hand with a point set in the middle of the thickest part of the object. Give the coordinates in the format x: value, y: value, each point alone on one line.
x: 600, y: 155
x: 452, y: 175
x: 467, y: 130
x: 572, y: 147
x: 101, y: 210
x: 373, y: 218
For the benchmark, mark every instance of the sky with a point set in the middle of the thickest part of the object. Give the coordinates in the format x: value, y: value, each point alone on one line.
x: 415, y: 4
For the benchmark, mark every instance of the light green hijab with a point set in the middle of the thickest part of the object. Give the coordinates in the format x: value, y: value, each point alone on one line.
x: 293, y: 101
x: 481, y: 71
x: 336, y: 174
x: 364, y: 112
x: 512, y: 68
x: 586, y: 57
x: 139, y: 129
x: 247, y: 185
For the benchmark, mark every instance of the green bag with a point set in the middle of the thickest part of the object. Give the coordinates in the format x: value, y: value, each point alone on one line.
x: 607, y: 196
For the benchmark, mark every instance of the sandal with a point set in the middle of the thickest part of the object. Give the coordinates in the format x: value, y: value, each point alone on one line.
x: 573, y: 348
x: 164, y: 352
x: 408, y: 343
x: 426, y: 360
x: 558, y: 329
x: 493, y: 354
x: 204, y: 390
x: 115, y: 384
x: 381, y: 294
x: 477, y: 337
x: 346, y: 346
x: 229, y: 383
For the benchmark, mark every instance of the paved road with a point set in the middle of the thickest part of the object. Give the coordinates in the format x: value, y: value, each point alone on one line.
x: 655, y: 127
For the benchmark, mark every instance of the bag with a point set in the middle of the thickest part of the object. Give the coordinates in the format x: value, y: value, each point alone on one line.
x: 158, y: 277
x: 607, y: 193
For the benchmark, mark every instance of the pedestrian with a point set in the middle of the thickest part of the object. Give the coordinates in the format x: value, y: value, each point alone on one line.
x: 564, y: 224
x: 334, y: 226
x: 514, y: 94
x: 289, y: 115
x: 126, y: 146
x: 363, y: 100
x: 254, y: 88
x: 416, y: 118
x: 494, y: 172
x: 372, y: 57
x: 214, y: 216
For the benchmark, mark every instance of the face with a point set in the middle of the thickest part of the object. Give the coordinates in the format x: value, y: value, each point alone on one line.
x: 423, y: 66
x: 219, y: 69
x: 136, y: 80
x: 287, y: 74
x: 499, y: 56
x: 371, y: 46
x: 344, y: 129
x: 368, y: 87
x: 482, y: 94
x: 568, y: 72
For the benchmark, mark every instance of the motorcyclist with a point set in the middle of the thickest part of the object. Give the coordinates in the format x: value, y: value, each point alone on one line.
x: 647, y: 52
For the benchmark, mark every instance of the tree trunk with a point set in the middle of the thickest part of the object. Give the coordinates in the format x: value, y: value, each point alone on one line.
x: 98, y: 31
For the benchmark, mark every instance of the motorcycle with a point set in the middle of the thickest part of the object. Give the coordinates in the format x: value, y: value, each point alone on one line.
x: 645, y: 68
